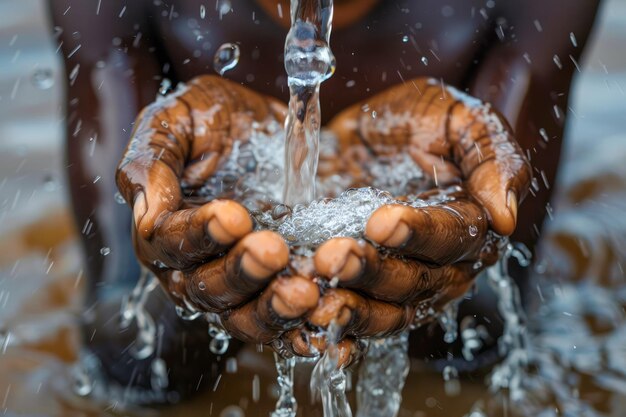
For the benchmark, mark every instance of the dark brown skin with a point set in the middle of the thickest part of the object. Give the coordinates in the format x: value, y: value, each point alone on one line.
x: 116, y: 79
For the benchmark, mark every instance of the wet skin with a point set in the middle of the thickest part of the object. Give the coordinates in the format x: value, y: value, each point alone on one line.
x: 485, y: 52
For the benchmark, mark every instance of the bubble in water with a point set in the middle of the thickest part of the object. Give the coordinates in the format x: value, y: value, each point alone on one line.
x: 104, y: 251
x: 226, y: 58
x: 405, y: 39
x: 473, y: 230
x: 202, y: 11
x: 43, y: 78
x: 201, y: 286
x: 424, y: 61
x: 572, y: 38
x: 118, y: 198
x: 557, y: 61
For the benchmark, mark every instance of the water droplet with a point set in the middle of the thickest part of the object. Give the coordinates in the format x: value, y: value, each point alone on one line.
x: 572, y: 38
x: 226, y: 58
x: 473, y: 230
x: 202, y: 11
x: 164, y: 124
x: 219, y: 345
x: 202, y: 286
x: 231, y: 365
x: 451, y: 377
x: 43, y: 78
x: 187, y: 315
x: 118, y: 198
x: 104, y: 251
x: 223, y: 7
x: 159, y: 264
x: 165, y: 87
x: 424, y: 61
x: 256, y: 388
x: 374, y: 114
x: 82, y: 385
x: 232, y: 411
x: 158, y: 377
x: 405, y: 39
x: 477, y: 265
x: 557, y: 61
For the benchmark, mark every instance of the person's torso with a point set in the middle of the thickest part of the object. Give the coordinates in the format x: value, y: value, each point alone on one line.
x: 393, y: 43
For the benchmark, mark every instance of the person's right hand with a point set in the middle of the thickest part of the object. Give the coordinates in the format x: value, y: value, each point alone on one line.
x: 206, y: 254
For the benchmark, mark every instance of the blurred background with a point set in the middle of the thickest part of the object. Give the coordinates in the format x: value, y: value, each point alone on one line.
x: 40, y: 271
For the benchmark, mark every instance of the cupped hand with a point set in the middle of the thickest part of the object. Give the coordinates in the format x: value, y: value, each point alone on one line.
x: 416, y: 258
x: 206, y: 254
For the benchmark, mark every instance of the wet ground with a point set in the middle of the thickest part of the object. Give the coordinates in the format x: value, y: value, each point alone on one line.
x: 577, y: 320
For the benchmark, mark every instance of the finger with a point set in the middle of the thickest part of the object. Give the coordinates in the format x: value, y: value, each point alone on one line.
x: 192, y: 128
x: 187, y: 237
x: 359, y: 266
x: 302, y: 342
x: 282, y: 306
x: 246, y: 269
x: 493, y: 164
x: 451, y: 137
x: 359, y: 316
x: 442, y: 234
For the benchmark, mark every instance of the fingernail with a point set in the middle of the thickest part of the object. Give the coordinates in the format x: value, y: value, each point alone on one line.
x: 230, y: 222
x: 511, y: 203
x: 336, y: 258
x: 294, y: 296
x: 386, y: 228
x: 265, y: 253
x: 140, y: 207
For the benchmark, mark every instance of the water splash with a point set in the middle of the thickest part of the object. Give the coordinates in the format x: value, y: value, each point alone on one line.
x: 513, y: 343
x: 133, y: 310
x: 286, y: 406
x: 382, y: 376
x: 449, y: 323
x: 328, y: 380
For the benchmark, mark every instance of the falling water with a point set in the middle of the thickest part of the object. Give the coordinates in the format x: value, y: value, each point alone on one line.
x: 133, y: 310
x: 330, y: 380
x: 286, y: 406
x: 308, y: 62
x: 513, y: 342
x: 382, y: 376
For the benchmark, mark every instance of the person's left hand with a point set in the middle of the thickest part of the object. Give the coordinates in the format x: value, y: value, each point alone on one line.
x: 417, y: 260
